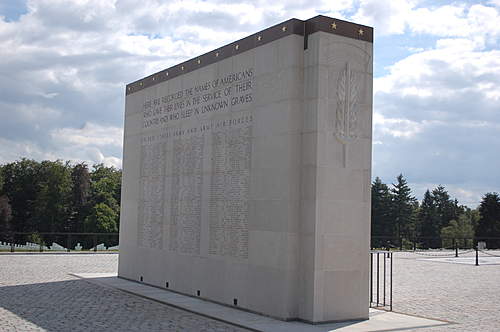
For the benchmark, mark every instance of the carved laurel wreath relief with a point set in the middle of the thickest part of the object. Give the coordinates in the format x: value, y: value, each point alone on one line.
x: 346, y: 120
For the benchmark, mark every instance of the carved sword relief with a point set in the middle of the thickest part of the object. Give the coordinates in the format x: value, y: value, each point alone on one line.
x: 346, y: 124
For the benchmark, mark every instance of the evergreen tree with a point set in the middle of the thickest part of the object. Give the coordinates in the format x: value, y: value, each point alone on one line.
x: 489, y: 222
x: 403, y: 205
x: 382, y: 227
x: 1, y: 180
x: 428, y: 225
x: 446, y: 210
x: 458, y: 209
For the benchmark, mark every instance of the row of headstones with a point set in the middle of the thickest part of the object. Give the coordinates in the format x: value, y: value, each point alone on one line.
x: 54, y: 247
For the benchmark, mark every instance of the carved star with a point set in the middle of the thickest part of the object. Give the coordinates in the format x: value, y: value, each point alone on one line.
x: 361, y: 32
x: 283, y: 28
x: 182, y: 67
x: 166, y: 73
x: 334, y: 26
x: 259, y: 38
x: 199, y: 61
x: 216, y: 54
x: 237, y: 47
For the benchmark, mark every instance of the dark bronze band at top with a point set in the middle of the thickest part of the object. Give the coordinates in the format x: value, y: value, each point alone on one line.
x: 292, y: 26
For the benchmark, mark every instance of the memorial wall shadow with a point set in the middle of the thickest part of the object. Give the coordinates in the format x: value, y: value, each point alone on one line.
x: 57, y: 306
x: 79, y: 305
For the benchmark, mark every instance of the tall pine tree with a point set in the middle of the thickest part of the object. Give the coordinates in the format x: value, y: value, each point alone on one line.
x: 445, y: 207
x: 489, y: 222
x: 428, y: 225
x: 382, y: 228
x: 403, y: 205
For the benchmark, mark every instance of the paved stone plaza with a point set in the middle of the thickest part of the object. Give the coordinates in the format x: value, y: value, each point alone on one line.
x: 38, y: 294
x: 462, y: 293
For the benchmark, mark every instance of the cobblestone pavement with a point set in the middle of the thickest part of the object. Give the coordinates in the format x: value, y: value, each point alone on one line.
x: 37, y: 294
x: 465, y: 294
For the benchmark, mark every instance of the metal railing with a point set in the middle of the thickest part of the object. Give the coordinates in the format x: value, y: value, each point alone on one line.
x: 381, y: 280
x: 416, y: 243
x: 57, y: 242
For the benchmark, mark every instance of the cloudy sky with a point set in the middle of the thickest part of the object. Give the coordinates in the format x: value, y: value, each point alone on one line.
x: 64, y: 66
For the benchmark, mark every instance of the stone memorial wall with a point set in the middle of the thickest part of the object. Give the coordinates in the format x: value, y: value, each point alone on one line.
x: 247, y: 173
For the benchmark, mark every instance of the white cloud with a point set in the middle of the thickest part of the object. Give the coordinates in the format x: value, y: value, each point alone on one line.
x: 477, y: 22
x: 90, y: 134
x: 436, y: 110
x: 96, y: 156
x: 451, y: 69
x: 399, y: 128
x: 65, y: 65
x: 13, y: 150
x: 388, y: 17
x: 91, y: 144
x: 495, y: 3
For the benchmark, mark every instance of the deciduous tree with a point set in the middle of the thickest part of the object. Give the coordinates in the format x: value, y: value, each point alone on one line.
x: 5, y: 219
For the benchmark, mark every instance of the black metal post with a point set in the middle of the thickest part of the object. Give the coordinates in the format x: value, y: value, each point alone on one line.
x: 378, y: 285
x: 95, y: 243
x: 371, y: 278
x: 384, y: 278
x: 456, y: 248
x: 391, y: 280
x: 477, y: 255
x: 68, y: 243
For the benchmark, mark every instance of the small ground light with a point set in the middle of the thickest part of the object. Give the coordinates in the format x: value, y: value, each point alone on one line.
x: 235, y: 302
x: 198, y: 292
x: 166, y: 284
x: 141, y: 278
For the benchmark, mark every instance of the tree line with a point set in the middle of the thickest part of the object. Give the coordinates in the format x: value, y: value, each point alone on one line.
x: 398, y: 218
x: 57, y: 196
